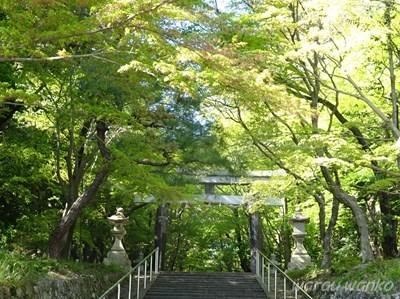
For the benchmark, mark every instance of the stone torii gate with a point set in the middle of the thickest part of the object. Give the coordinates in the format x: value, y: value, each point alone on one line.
x: 210, y: 181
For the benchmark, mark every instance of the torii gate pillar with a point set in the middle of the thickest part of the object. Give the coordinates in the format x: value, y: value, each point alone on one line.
x: 256, y: 238
x: 160, y: 238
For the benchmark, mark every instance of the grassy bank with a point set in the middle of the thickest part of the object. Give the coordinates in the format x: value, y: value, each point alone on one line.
x: 376, y: 271
x: 17, y: 269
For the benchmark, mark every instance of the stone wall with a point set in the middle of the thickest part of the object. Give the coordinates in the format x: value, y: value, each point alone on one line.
x: 357, y: 289
x: 348, y: 293
x: 76, y: 288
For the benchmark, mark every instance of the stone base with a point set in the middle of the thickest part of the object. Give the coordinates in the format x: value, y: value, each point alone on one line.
x: 118, y: 258
x: 300, y: 261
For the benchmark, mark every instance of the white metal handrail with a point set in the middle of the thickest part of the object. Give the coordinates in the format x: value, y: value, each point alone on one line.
x: 260, y: 272
x: 143, y: 265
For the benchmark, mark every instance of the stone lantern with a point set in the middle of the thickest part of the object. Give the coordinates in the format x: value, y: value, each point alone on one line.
x: 300, y: 258
x: 117, y: 255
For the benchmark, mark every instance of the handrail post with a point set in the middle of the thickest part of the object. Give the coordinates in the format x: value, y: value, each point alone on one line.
x: 130, y: 286
x: 151, y: 267
x: 131, y: 275
x: 262, y: 270
x: 284, y: 287
x: 138, y: 283
x: 276, y: 284
x: 257, y: 263
x: 272, y: 266
x: 145, y: 274
x: 157, y: 260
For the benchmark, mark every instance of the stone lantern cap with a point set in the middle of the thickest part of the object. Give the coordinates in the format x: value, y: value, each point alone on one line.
x: 299, y: 217
x: 119, y: 217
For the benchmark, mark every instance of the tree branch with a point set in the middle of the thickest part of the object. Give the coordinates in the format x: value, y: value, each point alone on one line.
x: 60, y: 57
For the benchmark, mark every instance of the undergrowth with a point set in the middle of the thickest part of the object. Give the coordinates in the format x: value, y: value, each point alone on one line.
x: 17, y: 269
x: 351, y: 273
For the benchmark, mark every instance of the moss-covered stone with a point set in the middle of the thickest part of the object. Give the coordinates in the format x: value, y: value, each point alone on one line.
x: 88, y: 286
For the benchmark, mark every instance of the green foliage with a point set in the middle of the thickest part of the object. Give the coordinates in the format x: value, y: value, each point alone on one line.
x: 90, y: 240
x: 17, y: 269
x: 33, y: 231
x: 304, y: 274
x: 344, y: 262
x: 28, y: 187
x: 378, y: 270
x: 203, y: 238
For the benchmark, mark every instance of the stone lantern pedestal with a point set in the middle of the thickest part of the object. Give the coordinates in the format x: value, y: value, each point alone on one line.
x: 117, y: 255
x: 300, y: 258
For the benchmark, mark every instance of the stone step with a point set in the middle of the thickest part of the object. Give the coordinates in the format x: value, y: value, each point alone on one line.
x: 205, y: 285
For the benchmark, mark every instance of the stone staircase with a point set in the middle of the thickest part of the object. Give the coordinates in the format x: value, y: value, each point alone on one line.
x: 205, y: 285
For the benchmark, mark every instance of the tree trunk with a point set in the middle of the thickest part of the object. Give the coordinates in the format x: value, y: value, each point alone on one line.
x: 66, y: 243
x: 242, y: 250
x: 177, y: 248
x: 160, y: 238
x: 256, y: 241
x: 58, y: 243
x: 326, y: 258
x: 287, y: 237
x: 362, y: 224
x: 389, y: 227
x: 69, y: 219
x: 326, y: 233
x: 389, y: 223
x: 320, y: 199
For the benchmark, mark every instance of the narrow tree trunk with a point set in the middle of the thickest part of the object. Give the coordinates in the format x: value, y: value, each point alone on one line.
x: 326, y: 258
x: 160, y: 238
x: 174, y: 255
x: 389, y: 224
x: 320, y: 199
x: 287, y: 237
x: 256, y: 241
x: 321, y: 216
x: 361, y: 220
x: 242, y: 250
x: 389, y: 228
x: 375, y: 228
x: 358, y: 213
x: 66, y: 243
x: 392, y: 71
